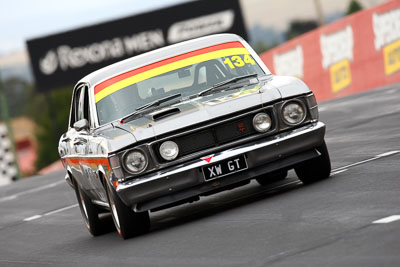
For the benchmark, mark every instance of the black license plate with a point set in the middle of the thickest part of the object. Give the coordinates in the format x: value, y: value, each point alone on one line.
x: 224, y: 167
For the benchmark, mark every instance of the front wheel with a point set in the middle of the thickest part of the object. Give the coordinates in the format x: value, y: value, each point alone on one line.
x: 90, y: 213
x: 127, y: 222
x: 315, y: 169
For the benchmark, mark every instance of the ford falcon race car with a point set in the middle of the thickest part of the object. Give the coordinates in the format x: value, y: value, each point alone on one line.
x: 188, y: 120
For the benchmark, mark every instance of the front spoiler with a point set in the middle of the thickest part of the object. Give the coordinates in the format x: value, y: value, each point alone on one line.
x: 176, y: 183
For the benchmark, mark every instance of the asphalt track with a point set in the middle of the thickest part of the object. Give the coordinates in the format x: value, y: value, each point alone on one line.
x: 350, y: 219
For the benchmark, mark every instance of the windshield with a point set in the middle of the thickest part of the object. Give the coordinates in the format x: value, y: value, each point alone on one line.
x: 123, y: 95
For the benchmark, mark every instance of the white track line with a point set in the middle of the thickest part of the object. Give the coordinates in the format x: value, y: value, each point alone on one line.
x: 390, y: 153
x: 60, y: 210
x: 35, y: 217
x: 334, y: 172
x: 388, y: 219
x: 8, y: 198
x: 33, y: 190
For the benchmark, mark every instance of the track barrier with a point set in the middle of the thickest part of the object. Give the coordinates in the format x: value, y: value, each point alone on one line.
x: 351, y: 55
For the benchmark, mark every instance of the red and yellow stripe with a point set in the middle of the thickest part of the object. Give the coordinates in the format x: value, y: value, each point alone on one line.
x: 121, y: 81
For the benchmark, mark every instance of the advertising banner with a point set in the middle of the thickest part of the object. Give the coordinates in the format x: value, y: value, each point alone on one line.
x: 356, y: 53
x: 62, y: 59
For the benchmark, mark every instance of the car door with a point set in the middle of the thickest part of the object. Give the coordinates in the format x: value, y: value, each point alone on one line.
x: 76, y: 141
x: 87, y: 146
x: 82, y: 144
x: 67, y: 148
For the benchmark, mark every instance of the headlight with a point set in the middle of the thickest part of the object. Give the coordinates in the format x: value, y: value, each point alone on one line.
x: 135, y: 161
x: 169, y: 150
x: 262, y: 122
x: 293, y: 113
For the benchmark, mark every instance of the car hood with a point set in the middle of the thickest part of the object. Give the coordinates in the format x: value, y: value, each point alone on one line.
x: 211, y: 106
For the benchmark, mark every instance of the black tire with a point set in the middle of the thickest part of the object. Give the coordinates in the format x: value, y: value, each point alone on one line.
x: 90, y: 213
x: 272, y: 177
x: 315, y: 169
x: 127, y: 222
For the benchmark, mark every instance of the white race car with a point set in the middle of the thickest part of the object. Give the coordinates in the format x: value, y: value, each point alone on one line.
x: 188, y: 120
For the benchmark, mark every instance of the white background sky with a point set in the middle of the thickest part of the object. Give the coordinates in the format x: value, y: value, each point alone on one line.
x: 21, y: 20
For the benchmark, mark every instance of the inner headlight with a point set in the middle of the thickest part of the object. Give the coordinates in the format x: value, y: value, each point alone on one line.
x: 169, y: 150
x: 293, y: 113
x: 135, y: 161
x: 262, y: 122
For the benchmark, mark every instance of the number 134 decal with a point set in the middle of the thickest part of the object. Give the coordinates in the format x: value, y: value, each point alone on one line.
x: 237, y: 61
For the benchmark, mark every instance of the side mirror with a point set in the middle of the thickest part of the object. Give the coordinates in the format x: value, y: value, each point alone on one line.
x: 81, y: 125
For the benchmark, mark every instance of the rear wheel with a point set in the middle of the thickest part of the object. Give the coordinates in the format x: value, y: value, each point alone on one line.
x: 90, y: 213
x: 315, y: 169
x: 127, y: 222
x: 272, y: 177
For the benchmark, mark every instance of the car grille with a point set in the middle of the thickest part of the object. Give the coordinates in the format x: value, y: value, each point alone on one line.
x: 214, y: 136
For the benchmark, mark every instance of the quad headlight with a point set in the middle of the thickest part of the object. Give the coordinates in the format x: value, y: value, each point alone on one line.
x: 135, y: 161
x: 169, y: 150
x: 293, y: 113
x: 262, y: 122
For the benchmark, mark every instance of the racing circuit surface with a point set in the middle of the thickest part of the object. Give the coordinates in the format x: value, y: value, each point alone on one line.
x: 350, y: 219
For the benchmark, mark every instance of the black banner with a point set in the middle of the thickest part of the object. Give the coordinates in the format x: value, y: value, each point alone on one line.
x: 62, y: 59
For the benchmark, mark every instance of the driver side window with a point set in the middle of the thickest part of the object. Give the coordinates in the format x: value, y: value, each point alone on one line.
x: 80, y: 107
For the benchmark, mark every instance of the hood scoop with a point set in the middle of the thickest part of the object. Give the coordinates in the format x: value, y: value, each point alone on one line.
x: 165, y: 113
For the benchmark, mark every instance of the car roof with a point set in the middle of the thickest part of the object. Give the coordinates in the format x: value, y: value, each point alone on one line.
x: 157, y: 55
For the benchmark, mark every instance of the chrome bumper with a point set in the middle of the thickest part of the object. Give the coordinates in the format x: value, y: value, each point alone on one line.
x: 186, y: 180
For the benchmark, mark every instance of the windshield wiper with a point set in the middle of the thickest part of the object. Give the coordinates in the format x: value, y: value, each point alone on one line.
x: 232, y: 80
x: 149, y: 105
x: 158, y: 102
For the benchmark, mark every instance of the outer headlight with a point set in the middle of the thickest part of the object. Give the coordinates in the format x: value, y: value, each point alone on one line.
x: 135, y: 161
x: 169, y: 150
x: 293, y: 113
x: 262, y: 122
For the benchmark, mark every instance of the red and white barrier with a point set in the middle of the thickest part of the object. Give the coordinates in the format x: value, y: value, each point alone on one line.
x: 354, y: 54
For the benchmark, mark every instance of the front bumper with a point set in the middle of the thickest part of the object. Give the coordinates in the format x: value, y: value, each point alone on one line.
x: 186, y: 180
